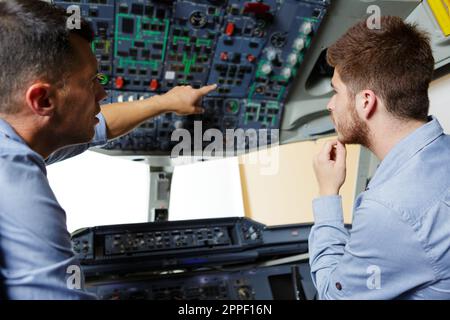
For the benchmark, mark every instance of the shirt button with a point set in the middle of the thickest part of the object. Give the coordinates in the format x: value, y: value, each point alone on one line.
x: 338, y: 286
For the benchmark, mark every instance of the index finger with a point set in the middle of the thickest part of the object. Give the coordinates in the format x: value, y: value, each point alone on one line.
x: 328, y: 149
x: 207, y: 89
x: 328, y: 146
x: 341, y: 153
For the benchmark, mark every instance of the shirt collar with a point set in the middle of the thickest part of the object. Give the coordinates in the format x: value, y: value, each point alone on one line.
x: 405, y: 150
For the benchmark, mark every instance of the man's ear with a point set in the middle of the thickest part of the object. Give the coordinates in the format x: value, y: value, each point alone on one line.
x: 38, y: 99
x: 366, y: 104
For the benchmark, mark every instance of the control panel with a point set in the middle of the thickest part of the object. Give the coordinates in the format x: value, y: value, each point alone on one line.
x: 183, y: 244
x: 284, y: 282
x: 112, y: 243
x: 253, y: 50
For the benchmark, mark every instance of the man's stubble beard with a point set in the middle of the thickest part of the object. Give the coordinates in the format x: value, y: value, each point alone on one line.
x: 353, y: 130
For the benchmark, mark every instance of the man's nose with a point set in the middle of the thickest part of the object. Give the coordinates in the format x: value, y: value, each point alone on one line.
x: 330, y: 106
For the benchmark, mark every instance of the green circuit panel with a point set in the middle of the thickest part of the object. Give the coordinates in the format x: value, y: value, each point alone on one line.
x: 265, y: 113
x: 145, y: 38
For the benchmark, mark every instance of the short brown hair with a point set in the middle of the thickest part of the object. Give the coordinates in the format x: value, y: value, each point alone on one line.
x: 395, y: 61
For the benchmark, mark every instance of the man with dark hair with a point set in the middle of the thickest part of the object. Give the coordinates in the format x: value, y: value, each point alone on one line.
x: 49, y: 111
x: 399, y: 244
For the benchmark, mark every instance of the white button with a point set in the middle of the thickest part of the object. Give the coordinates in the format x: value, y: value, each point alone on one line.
x: 170, y: 75
x: 286, y: 72
x: 307, y: 28
x: 266, y: 68
x: 292, y: 59
x: 271, y: 54
x: 299, y: 44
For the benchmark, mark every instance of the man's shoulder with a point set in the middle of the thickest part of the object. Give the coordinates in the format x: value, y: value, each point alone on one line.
x: 26, y: 194
x: 15, y: 155
x: 21, y: 170
x: 420, y: 183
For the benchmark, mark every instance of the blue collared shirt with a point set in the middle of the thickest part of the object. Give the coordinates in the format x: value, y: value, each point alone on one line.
x: 399, y: 244
x: 36, y: 259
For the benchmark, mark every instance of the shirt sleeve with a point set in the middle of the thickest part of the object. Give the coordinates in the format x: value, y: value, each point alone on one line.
x: 38, y: 262
x: 380, y: 258
x: 100, y: 138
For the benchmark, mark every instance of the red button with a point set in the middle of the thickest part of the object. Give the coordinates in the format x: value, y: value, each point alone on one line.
x: 120, y: 82
x: 257, y: 8
x: 224, y: 56
x: 154, y: 85
x: 229, y: 30
x: 251, y: 58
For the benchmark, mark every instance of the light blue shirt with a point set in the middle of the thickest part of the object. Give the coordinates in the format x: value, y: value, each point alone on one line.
x: 399, y: 244
x: 36, y: 258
